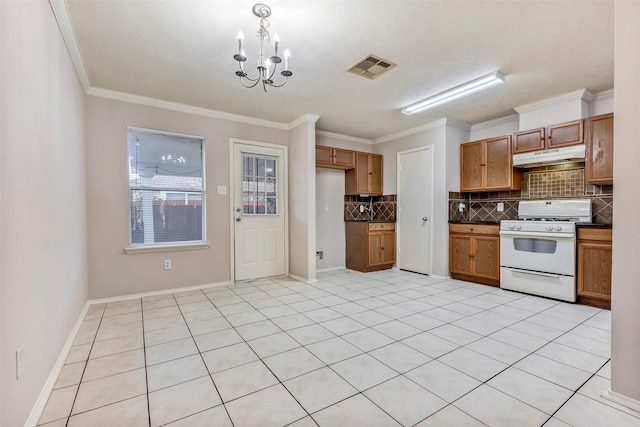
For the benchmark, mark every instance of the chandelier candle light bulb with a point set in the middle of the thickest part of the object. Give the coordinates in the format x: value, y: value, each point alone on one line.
x: 266, y: 68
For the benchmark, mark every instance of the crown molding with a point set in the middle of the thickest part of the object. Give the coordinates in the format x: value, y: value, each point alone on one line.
x: 183, y: 108
x: 307, y: 118
x: 422, y: 128
x: 61, y: 13
x: 343, y: 137
x: 601, y: 96
x: 496, y: 122
x: 412, y: 131
x: 458, y: 125
x: 576, y: 95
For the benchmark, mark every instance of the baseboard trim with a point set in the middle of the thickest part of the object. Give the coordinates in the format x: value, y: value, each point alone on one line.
x: 302, y: 279
x: 322, y: 270
x: 161, y: 292
x: 41, y: 402
x: 621, y: 399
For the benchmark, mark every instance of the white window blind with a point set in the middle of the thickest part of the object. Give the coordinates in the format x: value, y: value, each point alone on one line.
x: 166, y: 188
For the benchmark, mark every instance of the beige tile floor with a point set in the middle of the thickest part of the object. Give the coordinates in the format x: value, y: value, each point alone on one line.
x: 388, y: 348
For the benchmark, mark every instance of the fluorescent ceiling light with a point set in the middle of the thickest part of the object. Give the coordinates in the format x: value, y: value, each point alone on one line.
x: 455, y: 93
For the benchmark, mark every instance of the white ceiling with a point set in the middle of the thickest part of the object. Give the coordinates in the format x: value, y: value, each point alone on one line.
x: 182, y: 51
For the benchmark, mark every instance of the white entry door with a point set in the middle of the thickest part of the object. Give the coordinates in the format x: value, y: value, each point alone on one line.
x: 259, y: 210
x: 415, y: 184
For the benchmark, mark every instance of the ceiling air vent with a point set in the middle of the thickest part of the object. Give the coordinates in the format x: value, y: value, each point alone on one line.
x: 371, y: 67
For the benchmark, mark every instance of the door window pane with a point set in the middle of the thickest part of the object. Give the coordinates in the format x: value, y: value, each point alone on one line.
x: 259, y: 185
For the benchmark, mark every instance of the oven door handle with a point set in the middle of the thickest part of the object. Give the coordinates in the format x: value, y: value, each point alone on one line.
x: 537, y: 235
x: 534, y: 273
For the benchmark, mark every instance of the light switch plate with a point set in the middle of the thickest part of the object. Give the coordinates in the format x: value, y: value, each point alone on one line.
x: 222, y: 190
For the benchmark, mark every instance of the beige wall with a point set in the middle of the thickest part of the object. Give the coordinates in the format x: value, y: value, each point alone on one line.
x: 44, y: 239
x: 437, y: 138
x: 625, y: 303
x: 111, y: 271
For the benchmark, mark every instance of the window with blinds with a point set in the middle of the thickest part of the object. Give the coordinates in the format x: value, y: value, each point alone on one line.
x: 166, y: 188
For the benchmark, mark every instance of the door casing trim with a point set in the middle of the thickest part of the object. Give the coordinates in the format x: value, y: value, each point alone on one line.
x: 431, y: 148
x: 231, y: 195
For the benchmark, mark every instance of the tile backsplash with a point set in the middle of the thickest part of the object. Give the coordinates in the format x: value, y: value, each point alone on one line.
x: 547, y: 182
x: 384, y: 208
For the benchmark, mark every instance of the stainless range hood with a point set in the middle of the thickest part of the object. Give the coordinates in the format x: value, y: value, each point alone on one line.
x: 573, y: 153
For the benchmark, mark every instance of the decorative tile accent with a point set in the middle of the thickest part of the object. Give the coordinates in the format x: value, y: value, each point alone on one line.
x: 553, y: 184
x: 384, y: 208
x: 546, y: 182
x: 602, y: 208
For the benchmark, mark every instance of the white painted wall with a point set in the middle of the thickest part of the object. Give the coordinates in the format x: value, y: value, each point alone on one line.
x: 625, y: 342
x: 560, y: 109
x: 330, y: 229
x: 446, y: 163
x: 302, y: 200
x: 503, y: 126
x: 43, y: 260
x: 602, y: 104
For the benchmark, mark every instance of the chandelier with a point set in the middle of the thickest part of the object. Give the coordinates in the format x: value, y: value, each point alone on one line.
x: 266, y: 65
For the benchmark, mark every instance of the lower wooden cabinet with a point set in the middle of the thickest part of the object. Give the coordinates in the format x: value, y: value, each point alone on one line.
x: 370, y: 246
x: 474, y: 253
x: 594, y: 266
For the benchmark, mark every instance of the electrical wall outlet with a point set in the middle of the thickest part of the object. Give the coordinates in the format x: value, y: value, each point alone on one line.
x: 361, y: 208
x: 319, y: 254
x: 167, y: 264
x: 461, y: 207
x: 19, y: 361
x: 500, y: 207
x: 326, y: 208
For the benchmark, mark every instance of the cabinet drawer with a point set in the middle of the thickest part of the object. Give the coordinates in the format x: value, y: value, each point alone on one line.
x: 588, y: 233
x: 382, y: 226
x: 474, y: 229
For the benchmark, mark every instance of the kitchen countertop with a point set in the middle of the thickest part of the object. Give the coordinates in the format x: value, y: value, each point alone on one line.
x: 474, y: 222
x: 593, y: 224
x: 369, y: 220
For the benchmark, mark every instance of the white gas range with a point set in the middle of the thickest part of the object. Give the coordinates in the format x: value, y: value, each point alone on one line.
x: 538, y: 250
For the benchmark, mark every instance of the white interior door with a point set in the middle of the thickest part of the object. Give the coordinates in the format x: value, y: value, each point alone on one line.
x: 259, y: 210
x: 415, y: 187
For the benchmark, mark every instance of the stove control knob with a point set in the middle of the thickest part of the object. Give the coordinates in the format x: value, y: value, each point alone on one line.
x: 518, y: 227
x: 557, y: 228
x: 511, y: 226
x: 549, y: 228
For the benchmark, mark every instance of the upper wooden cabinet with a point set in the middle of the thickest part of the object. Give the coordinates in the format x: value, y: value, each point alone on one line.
x: 555, y: 136
x: 335, y: 158
x: 599, y: 153
x: 366, y: 178
x: 488, y: 165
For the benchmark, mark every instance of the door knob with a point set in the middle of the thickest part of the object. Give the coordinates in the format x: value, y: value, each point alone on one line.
x: 425, y: 219
x: 238, y: 209
x: 238, y: 219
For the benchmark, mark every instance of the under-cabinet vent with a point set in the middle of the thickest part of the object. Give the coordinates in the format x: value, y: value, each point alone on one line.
x: 371, y: 67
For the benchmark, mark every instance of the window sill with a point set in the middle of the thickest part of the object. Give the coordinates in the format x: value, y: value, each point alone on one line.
x: 166, y: 248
